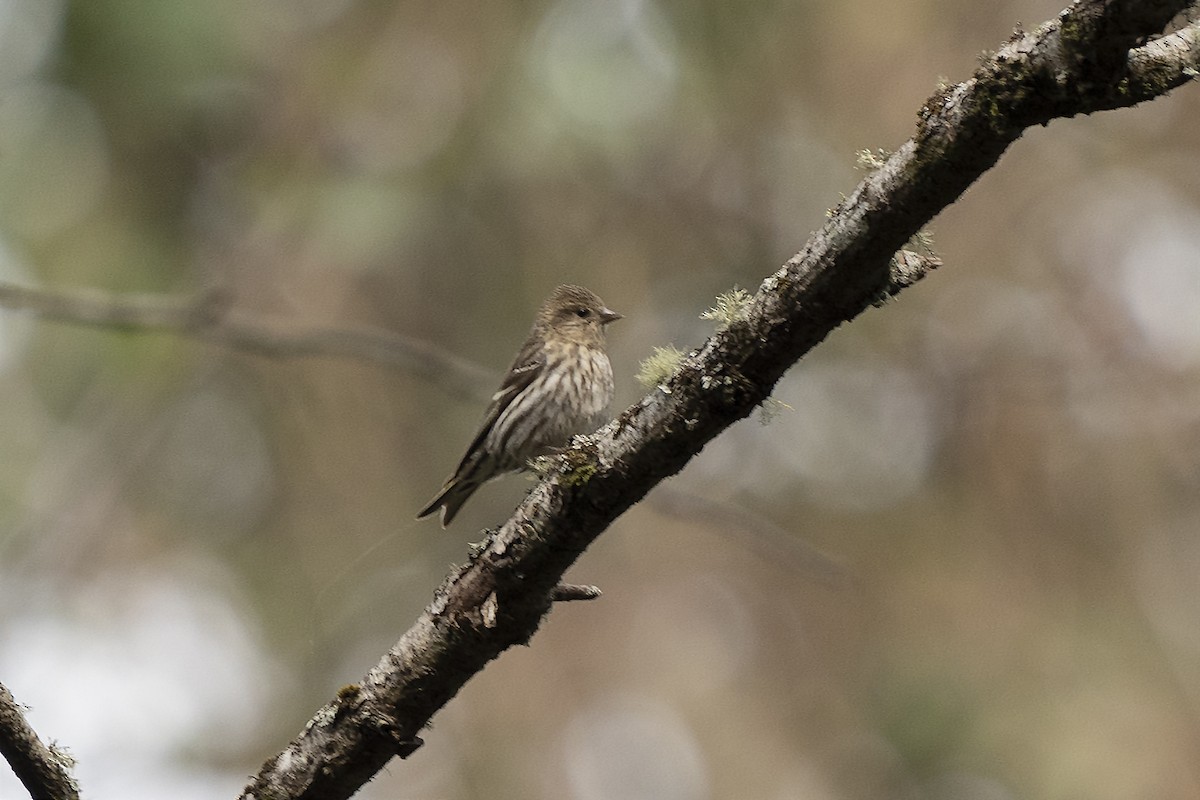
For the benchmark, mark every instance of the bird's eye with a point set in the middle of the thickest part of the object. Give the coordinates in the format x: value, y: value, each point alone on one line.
x: 582, y: 313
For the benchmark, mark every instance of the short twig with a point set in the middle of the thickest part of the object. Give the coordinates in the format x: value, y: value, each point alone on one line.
x: 566, y: 592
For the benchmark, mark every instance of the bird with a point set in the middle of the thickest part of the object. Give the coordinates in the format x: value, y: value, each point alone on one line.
x: 560, y: 384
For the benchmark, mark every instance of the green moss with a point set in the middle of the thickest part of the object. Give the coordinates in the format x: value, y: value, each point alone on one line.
x: 579, y: 475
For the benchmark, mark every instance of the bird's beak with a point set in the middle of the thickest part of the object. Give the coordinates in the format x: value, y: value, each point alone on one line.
x: 607, y: 315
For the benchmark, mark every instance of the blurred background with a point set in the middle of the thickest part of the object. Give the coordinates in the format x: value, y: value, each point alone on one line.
x: 961, y: 563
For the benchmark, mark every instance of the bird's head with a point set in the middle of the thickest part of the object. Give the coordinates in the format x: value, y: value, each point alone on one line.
x: 576, y: 314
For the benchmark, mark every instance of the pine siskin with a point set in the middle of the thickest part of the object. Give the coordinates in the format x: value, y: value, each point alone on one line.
x: 559, y: 385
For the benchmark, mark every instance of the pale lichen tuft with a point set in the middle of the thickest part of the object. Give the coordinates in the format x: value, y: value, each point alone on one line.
x: 731, y: 307
x: 871, y: 159
x: 660, y: 366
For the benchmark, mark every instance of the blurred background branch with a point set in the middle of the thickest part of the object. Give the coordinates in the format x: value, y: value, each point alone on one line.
x: 209, y: 317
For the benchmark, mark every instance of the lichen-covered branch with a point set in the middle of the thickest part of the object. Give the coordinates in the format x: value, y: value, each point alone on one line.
x: 44, y: 771
x: 1076, y: 64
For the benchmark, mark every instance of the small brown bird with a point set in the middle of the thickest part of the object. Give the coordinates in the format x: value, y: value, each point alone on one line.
x: 559, y: 385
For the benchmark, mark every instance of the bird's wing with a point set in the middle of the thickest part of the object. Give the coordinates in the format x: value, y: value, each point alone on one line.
x: 525, y: 368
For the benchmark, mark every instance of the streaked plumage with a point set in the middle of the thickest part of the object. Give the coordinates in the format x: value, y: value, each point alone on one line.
x: 559, y: 385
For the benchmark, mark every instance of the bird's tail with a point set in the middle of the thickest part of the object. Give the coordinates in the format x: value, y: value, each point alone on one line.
x: 450, y: 499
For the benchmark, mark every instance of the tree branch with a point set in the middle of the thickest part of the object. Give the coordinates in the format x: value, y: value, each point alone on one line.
x: 44, y: 771
x: 210, y: 318
x: 1076, y: 64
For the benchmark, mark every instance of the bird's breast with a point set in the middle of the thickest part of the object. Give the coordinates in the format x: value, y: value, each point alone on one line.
x: 588, y: 373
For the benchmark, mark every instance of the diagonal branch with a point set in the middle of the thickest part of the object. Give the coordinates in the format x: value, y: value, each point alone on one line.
x: 1076, y: 64
x: 44, y: 771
